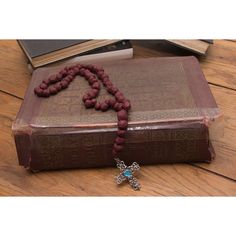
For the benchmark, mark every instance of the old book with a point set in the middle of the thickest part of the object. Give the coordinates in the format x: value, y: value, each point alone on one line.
x: 172, y: 107
x: 197, y: 46
x: 116, y: 51
x: 43, y: 52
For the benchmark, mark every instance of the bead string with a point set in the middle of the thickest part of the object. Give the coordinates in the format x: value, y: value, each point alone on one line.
x: 93, y: 74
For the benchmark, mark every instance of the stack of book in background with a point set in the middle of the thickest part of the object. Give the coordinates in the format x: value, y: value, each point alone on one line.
x: 198, y: 46
x: 54, y: 52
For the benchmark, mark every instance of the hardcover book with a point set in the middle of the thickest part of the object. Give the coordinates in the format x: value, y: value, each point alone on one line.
x: 168, y: 123
x: 43, y: 52
x: 197, y: 46
x: 116, y: 51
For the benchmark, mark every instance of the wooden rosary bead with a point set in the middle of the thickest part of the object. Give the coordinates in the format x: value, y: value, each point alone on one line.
x: 38, y: 90
x: 121, y: 133
x: 104, y: 77
x: 52, y: 90
x: 43, y: 86
x: 98, y: 106
x: 104, y: 106
x: 45, y: 93
x: 96, y: 85
x: 93, y: 93
x: 114, y: 153
x: 122, y: 115
x: 58, y: 87
x: 120, y: 99
x: 46, y: 81
x: 119, y: 140
x: 85, y: 97
x: 117, y: 147
x: 64, y: 84
x: 82, y: 71
x: 88, y: 104
x: 127, y: 105
x: 118, y: 106
x: 63, y: 72
x: 112, y: 102
x: 119, y: 94
x: 53, y: 79
x: 56, y: 78
x: 122, y: 124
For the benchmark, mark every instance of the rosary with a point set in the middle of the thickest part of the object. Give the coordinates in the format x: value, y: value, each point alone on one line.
x: 56, y: 83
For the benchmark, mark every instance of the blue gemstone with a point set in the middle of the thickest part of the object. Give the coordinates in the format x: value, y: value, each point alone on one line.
x: 127, y: 173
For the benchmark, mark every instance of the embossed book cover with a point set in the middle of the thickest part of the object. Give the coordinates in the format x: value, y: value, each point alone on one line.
x: 172, y: 106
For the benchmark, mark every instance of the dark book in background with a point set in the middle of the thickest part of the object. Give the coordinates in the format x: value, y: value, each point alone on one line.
x: 197, y: 46
x: 43, y: 52
x: 168, y: 123
x: 116, y: 51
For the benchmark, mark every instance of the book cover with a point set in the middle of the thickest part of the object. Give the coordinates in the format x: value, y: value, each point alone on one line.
x: 43, y: 52
x: 116, y: 51
x: 171, y: 106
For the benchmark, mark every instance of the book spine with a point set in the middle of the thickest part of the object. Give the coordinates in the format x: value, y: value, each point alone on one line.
x: 93, y: 149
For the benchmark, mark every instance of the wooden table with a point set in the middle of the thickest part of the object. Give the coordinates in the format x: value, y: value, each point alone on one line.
x: 217, y: 178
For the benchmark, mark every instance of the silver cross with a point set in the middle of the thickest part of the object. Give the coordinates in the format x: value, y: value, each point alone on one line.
x: 127, y: 174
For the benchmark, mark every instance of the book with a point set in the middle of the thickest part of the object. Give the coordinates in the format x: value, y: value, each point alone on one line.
x: 197, y: 46
x: 116, y: 51
x: 172, y: 107
x: 43, y: 52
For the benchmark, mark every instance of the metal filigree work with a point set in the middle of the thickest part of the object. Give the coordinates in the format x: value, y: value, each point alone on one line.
x: 127, y: 174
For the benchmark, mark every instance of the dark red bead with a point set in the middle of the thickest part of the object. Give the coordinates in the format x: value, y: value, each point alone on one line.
x: 52, y: 90
x: 112, y: 102
x: 122, y: 115
x: 92, y: 93
x: 63, y: 72
x: 118, y: 106
x: 119, y: 94
x: 127, y: 105
x: 104, y: 77
x: 85, y: 97
x: 82, y: 71
x: 46, y: 93
x: 114, y: 153
x: 70, y: 77
x: 58, y: 87
x: 120, y: 140
x: 38, y: 90
x: 64, y: 84
x: 67, y: 80
x: 53, y: 79
x: 98, y: 106
x: 121, y: 133
x: 120, y: 99
x: 122, y: 124
x: 100, y: 74
x: 96, y: 85
x: 104, y: 106
x: 57, y: 78
x: 43, y: 86
x: 94, y: 102
x: 117, y: 147
x: 46, y: 81
x: 88, y: 104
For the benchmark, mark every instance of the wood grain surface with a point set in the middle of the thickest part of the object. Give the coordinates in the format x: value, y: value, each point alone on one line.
x: 215, y: 179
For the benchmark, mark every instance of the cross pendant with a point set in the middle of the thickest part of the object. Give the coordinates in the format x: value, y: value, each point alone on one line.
x: 126, y: 173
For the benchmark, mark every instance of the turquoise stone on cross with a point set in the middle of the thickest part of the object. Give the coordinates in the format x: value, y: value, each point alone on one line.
x: 127, y: 174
